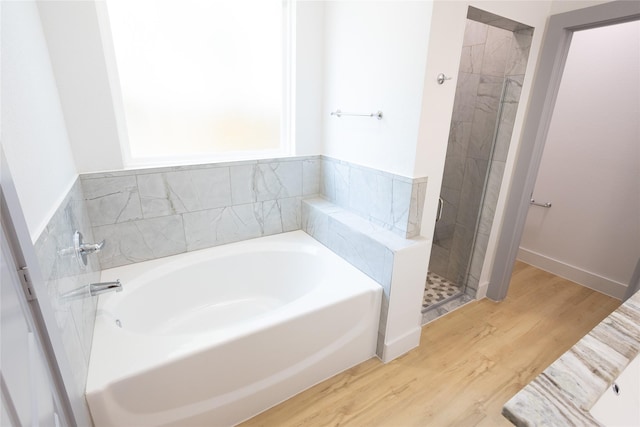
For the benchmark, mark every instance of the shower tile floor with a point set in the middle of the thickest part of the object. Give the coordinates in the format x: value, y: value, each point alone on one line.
x: 437, y: 290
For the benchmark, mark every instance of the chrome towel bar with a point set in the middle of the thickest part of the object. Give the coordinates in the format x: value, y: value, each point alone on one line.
x: 339, y: 113
x: 542, y: 205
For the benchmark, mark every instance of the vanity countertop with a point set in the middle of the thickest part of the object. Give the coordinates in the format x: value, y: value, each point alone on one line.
x: 565, y: 392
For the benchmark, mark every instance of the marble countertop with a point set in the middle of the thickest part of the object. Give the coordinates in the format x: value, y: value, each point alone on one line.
x: 567, y: 390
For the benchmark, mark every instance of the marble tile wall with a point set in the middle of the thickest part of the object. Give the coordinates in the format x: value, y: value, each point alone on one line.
x: 390, y: 201
x: 478, y: 146
x: 151, y: 213
x: 514, y: 78
x: 62, y: 272
x: 493, y: 184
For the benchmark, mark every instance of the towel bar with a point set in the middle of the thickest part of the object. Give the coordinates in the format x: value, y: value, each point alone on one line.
x: 542, y: 205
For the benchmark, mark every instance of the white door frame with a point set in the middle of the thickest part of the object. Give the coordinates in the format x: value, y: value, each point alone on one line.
x: 546, y: 84
x: 74, y: 410
x: 29, y: 394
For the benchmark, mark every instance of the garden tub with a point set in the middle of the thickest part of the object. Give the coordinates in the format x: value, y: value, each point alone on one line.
x: 216, y: 336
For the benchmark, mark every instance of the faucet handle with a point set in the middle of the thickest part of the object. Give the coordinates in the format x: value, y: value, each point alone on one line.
x: 90, y: 248
x: 83, y: 249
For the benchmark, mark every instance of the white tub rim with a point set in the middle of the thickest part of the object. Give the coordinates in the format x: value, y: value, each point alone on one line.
x: 174, y: 348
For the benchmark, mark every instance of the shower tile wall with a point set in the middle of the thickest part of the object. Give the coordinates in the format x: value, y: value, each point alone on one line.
x: 62, y: 273
x: 489, y: 54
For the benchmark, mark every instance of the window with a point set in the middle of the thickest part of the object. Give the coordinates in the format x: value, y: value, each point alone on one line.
x: 202, y: 79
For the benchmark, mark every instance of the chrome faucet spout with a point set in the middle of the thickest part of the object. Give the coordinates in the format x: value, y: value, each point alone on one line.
x: 101, y: 288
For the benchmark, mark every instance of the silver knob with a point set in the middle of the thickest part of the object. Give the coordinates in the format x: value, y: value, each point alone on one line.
x: 83, y: 249
x: 441, y: 78
x: 90, y: 248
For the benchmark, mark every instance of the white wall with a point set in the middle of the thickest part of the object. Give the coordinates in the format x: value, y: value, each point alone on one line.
x: 375, y: 55
x: 309, y: 77
x: 590, y: 169
x: 73, y: 37
x: 561, y: 6
x: 34, y: 136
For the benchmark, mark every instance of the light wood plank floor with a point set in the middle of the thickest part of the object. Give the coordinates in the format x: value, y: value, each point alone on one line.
x: 468, y: 365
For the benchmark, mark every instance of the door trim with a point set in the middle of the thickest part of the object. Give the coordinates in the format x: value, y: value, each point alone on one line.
x: 17, y: 235
x: 546, y: 84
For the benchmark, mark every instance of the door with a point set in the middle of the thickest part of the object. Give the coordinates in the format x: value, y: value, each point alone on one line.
x: 553, y: 55
x: 26, y: 386
x: 590, y: 167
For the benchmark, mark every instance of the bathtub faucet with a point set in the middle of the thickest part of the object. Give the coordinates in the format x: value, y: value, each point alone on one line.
x: 89, y: 248
x: 101, y: 288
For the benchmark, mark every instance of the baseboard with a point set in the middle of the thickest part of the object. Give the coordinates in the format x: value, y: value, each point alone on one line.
x: 401, y: 345
x: 482, y: 290
x: 575, y: 274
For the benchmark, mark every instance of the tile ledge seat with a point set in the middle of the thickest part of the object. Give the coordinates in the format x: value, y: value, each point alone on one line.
x: 382, y: 235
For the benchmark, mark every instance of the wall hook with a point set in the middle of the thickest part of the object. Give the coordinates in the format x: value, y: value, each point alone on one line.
x: 441, y: 78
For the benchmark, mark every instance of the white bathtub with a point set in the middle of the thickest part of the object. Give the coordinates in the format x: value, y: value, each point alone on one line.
x: 217, y: 336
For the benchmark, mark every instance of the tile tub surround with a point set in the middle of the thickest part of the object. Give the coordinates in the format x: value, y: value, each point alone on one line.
x: 565, y: 392
x: 62, y: 273
x: 153, y: 213
x: 396, y: 263
x: 391, y: 201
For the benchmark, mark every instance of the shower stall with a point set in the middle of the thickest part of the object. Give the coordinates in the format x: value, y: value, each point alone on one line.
x: 492, y: 66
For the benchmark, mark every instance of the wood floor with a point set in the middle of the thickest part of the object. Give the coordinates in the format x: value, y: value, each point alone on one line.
x: 468, y: 365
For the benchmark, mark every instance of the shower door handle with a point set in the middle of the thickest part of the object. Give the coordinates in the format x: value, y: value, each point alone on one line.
x: 440, y: 206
